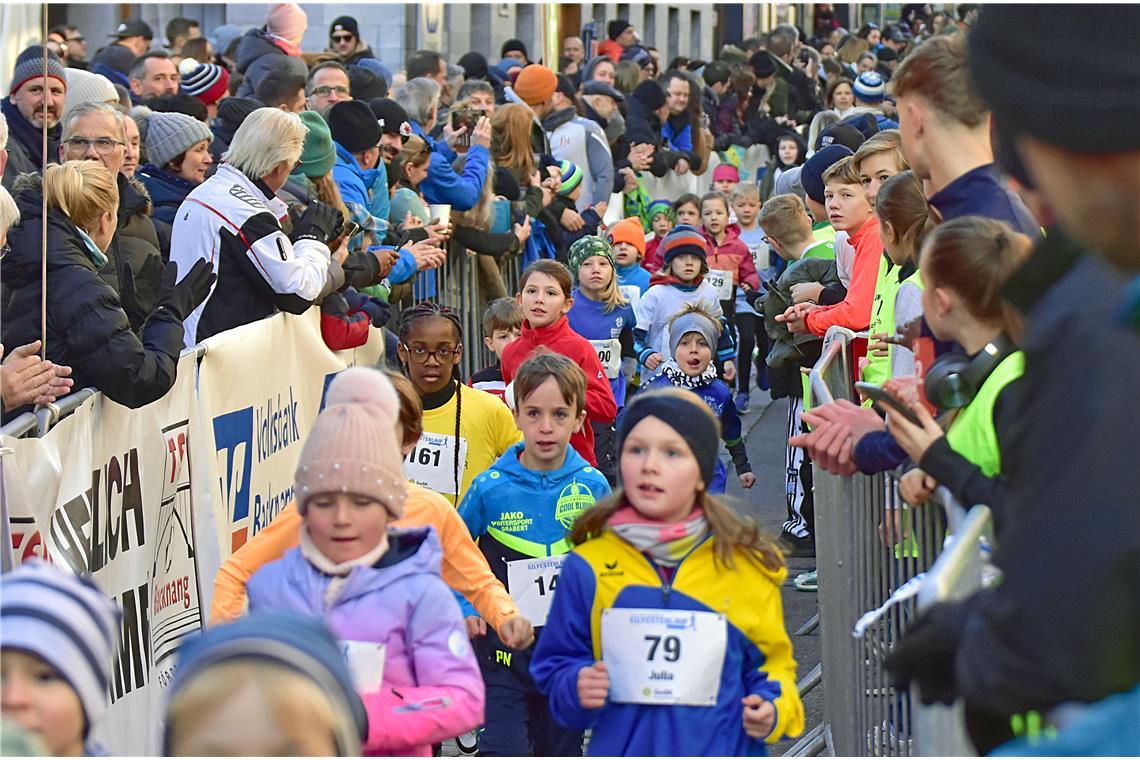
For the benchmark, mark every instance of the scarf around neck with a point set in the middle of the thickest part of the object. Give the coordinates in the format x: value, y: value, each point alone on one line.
x: 678, y: 377
x: 339, y: 571
x: 666, y: 543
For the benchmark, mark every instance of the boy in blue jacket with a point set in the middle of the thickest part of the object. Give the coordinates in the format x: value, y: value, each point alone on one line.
x: 692, y: 337
x: 521, y: 511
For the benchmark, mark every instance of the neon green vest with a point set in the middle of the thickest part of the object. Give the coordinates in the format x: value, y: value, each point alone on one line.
x: 821, y: 250
x: 972, y: 433
x: 878, y: 368
x: 825, y: 233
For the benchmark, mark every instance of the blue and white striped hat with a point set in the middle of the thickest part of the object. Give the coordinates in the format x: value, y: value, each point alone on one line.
x: 68, y: 622
x: 870, y: 87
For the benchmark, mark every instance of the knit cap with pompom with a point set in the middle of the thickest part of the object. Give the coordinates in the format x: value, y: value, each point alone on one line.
x: 353, y: 447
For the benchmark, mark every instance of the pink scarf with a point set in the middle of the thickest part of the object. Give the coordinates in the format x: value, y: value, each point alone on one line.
x: 666, y: 543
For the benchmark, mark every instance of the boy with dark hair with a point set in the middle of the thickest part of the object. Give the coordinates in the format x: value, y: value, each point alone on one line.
x: 502, y: 323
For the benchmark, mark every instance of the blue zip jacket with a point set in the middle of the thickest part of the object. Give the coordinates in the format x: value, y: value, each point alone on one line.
x: 516, y: 513
x: 608, y: 572
x: 590, y: 320
x: 633, y: 275
x: 443, y: 185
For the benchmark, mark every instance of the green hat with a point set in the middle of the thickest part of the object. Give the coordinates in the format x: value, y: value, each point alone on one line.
x: 571, y: 177
x: 660, y: 207
x: 585, y: 247
x: 318, y: 155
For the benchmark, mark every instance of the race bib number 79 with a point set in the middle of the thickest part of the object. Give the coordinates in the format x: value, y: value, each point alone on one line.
x: 663, y: 657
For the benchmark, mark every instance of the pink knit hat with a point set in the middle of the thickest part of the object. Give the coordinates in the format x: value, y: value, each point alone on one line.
x: 287, y: 20
x: 353, y: 447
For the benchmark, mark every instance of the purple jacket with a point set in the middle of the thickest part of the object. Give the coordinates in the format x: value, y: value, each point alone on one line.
x: 402, y: 603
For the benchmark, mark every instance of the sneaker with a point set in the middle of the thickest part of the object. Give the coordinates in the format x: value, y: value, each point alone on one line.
x: 807, y: 581
x: 468, y: 744
x: 794, y: 546
x: 762, y: 376
x: 742, y: 403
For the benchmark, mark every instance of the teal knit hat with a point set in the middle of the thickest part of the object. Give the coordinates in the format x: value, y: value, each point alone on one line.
x: 585, y: 247
x: 571, y: 177
x: 660, y: 207
x: 318, y: 155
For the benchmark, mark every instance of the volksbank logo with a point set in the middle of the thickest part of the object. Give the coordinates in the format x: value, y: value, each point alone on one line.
x: 233, y: 438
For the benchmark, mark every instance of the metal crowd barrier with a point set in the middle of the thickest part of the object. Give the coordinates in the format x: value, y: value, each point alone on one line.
x: 875, y: 553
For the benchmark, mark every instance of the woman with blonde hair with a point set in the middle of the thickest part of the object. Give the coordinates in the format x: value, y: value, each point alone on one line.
x: 87, y: 328
x: 512, y: 152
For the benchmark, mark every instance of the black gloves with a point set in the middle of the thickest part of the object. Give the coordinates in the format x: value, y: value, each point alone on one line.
x: 927, y: 651
x: 138, y: 306
x: 182, y: 298
x: 320, y: 222
x: 378, y: 311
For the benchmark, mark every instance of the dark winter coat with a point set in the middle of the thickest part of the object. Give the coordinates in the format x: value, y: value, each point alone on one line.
x: 87, y: 328
x: 167, y: 191
x: 136, y: 245
x: 643, y: 126
x: 257, y: 56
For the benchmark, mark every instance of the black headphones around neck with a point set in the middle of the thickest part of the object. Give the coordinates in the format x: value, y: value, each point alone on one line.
x: 954, y: 379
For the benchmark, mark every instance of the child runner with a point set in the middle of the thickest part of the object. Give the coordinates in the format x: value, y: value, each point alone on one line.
x: 692, y: 335
x: 686, y: 210
x: 465, y: 430
x: 521, y: 511
x: 463, y: 567
x: 628, y: 242
x: 502, y: 323
x: 680, y: 281
x: 378, y: 590
x: 602, y: 316
x: 731, y: 270
x: 661, y: 220
x: 964, y: 264
x: 266, y: 685
x: 904, y: 222
x: 59, y: 635
x: 753, y: 340
x: 545, y: 297
x: 666, y: 636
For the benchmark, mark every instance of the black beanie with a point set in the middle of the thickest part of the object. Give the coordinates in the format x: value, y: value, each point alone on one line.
x: 512, y: 45
x: 345, y: 24
x: 232, y: 111
x: 762, y: 64
x: 650, y: 94
x: 616, y: 27
x: 353, y: 125
x: 699, y: 430
x: 366, y: 84
x: 866, y: 123
x: 474, y: 65
x: 1090, y: 105
x: 840, y: 134
x: 392, y: 117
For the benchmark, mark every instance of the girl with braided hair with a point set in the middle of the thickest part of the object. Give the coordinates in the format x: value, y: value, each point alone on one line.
x: 464, y: 430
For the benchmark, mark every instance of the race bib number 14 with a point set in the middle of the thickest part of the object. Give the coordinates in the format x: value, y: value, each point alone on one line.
x: 663, y: 657
x: 531, y: 583
x: 431, y: 463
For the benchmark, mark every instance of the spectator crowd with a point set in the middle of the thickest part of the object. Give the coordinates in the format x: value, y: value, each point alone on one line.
x: 949, y: 186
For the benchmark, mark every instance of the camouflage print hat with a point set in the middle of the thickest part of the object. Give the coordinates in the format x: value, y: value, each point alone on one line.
x: 584, y: 248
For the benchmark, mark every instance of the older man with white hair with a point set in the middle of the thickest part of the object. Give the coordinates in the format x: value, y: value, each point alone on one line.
x: 232, y: 219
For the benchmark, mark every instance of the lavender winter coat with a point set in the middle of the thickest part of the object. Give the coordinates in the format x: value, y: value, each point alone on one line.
x: 402, y: 603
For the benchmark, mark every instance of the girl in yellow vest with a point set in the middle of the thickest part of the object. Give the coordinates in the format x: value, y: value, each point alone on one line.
x: 964, y: 264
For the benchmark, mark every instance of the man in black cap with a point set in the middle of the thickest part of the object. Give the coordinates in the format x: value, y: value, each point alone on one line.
x: 33, y: 101
x: 621, y: 35
x: 1063, y: 626
x: 344, y: 40
x: 647, y: 109
x: 395, y: 127
x: 134, y: 35
x: 514, y: 48
x: 359, y: 173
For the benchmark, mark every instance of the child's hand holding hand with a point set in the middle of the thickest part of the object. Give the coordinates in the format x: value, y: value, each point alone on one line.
x: 747, y: 480
x: 516, y: 632
x: 600, y: 208
x: 653, y: 361
x: 916, y: 487
x: 729, y: 371
x: 572, y: 220
x: 476, y: 626
x: 593, y: 686
x: 806, y: 292
x: 759, y: 716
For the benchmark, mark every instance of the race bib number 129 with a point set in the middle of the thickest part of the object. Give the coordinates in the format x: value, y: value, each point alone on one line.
x: 663, y: 657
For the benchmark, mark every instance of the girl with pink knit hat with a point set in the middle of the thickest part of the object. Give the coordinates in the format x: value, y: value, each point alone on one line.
x: 379, y: 590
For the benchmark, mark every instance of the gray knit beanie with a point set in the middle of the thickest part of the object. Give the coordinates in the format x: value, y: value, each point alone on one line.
x: 85, y: 87
x: 171, y: 134
x: 30, y: 64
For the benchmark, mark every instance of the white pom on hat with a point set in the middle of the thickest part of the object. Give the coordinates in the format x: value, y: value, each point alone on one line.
x: 188, y: 66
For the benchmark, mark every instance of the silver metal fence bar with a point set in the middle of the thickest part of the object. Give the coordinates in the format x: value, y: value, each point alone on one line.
x: 20, y: 426
x: 50, y: 414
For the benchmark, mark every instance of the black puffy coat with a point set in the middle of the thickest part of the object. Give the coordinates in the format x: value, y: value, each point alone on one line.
x: 87, y: 328
x: 643, y: 126
x: 136, y: 245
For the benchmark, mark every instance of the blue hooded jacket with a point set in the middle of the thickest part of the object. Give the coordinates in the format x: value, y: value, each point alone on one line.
x: 442, y: 185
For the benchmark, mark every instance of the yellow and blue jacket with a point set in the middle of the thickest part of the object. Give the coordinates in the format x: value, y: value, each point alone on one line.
x: 610, y: 572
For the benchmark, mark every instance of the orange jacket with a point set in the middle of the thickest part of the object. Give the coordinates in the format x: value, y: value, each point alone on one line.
x: 464, y: 568
x: 854, y: 312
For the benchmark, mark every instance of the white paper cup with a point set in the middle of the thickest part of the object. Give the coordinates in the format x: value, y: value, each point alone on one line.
x: 440, y: 211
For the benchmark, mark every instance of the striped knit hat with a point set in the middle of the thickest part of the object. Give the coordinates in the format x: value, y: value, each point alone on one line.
x: 571, y: 177
x: 30, y: 64
x: 206, y: 81
x: 870, y: 87
x: 66, y: 621
x: 683, y: 239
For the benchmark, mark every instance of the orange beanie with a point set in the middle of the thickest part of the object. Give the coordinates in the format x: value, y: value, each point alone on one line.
x: 628, y: 231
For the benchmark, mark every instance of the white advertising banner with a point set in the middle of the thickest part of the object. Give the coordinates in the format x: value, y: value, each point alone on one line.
x: 150, y: 501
